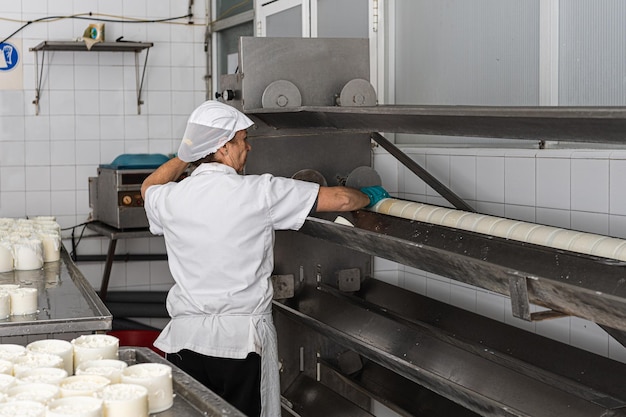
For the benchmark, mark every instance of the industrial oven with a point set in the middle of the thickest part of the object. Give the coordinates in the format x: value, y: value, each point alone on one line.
x: 348, y: 340
x: 115, y: 194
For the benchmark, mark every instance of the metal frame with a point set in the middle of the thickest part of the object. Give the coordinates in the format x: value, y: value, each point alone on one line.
x: 114, y: 235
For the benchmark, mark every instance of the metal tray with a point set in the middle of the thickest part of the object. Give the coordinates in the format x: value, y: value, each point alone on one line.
x: 67, y: 302
x: 190, y: 397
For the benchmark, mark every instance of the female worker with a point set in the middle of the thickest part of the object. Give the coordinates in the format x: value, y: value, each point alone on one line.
x: 219, y: 228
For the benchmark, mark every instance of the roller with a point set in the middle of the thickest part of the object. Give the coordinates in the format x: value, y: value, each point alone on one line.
x: 554, y: 237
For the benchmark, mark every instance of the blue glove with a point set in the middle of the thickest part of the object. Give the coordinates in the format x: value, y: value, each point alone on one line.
x: 375, y: 193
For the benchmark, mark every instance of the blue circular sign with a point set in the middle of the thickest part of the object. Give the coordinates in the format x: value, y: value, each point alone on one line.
x: 9, y: 56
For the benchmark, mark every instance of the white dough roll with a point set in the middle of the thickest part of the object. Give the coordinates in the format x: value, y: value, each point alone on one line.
x: 571, y: 240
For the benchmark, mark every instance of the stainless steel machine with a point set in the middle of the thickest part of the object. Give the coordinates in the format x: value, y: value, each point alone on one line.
x: 346, y: 338
x: 115, y: 194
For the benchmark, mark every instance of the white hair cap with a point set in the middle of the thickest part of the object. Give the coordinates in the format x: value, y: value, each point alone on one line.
x: 209, y: 127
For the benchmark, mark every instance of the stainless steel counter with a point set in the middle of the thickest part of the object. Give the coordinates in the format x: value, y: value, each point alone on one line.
x: 67, y: 303
x: 190, y: 397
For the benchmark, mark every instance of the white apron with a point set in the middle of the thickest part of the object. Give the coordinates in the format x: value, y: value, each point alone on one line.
x: 270, y: 381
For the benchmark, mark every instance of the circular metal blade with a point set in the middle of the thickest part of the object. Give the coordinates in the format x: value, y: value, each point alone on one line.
x: 310, y: 175
x: 357, y: 92
x: 363, y: 177
x: 281, y: 94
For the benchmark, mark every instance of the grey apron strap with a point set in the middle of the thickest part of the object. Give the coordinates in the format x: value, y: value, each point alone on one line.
x: 270, y: 381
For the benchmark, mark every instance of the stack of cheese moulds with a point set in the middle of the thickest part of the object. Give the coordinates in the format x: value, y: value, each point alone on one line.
x: 80, y: 378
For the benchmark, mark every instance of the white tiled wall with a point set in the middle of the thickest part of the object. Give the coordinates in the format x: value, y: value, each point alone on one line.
x: 88, y: 114
x: 577, y: 189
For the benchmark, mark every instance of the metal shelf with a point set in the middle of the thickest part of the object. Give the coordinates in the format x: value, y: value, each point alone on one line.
x: 75, y: 46
x: 466, y: 372
x: 575, y: 284
x: 578, y: 124
x: 98, y: 47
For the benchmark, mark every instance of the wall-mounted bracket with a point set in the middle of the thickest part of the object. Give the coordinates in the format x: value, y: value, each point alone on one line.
x: 520, y: 304
x: 349, y: 280
x: 73, y: 46
x: 284, y: 286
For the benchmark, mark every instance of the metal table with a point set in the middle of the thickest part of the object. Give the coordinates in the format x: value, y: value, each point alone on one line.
x: 191, y: 398
x: 67, y: 303
x: 114, y: 235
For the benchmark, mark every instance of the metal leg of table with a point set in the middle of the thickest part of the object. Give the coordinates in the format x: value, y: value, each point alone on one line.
x: 104, y: 285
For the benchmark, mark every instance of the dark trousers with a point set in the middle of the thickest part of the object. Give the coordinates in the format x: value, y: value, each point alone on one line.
x: 238, y: 381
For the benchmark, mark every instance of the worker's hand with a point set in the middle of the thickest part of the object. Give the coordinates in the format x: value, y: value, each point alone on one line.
x: 375, y: 193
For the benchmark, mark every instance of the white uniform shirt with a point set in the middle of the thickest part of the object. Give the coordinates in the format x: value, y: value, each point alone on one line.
x: 219, y: 234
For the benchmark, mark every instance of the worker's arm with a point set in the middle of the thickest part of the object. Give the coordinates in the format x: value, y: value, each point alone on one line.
x: 340, y: 199
x: 168, y: 172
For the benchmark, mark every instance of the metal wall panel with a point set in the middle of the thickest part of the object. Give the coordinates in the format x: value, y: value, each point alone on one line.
x: 287, y: 23
x: 342, y: 19
x: 592, y: 65
x: 467, y: 52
